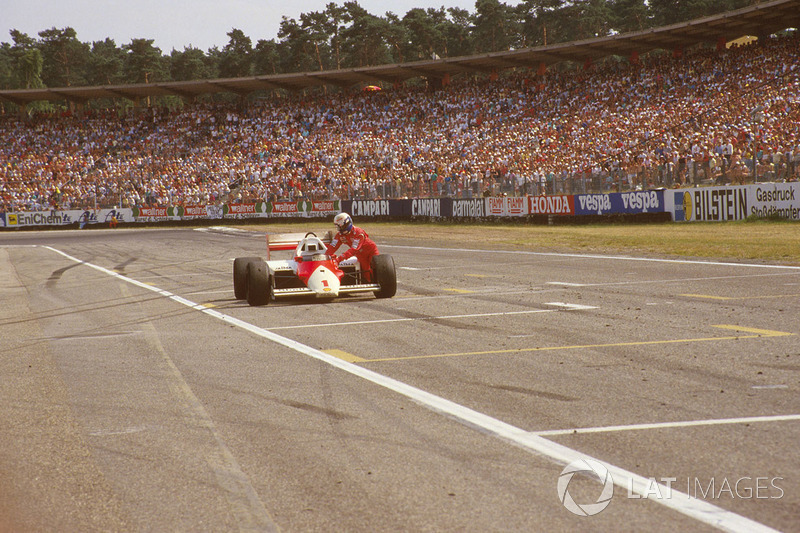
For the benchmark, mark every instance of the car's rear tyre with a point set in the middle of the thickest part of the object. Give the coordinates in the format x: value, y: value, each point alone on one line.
x: 240, y: 276
x: 385, y: 275
x: 259, y: 283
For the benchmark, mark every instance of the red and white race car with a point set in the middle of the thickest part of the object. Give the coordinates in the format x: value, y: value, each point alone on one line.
x: 311, y: 272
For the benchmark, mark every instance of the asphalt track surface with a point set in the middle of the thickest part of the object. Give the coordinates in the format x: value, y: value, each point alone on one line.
x: 139, y: 395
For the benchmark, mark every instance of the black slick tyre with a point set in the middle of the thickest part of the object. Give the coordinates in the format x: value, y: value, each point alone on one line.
x: 259, y: 283
x: 385, y: 275
x: 240, y: 276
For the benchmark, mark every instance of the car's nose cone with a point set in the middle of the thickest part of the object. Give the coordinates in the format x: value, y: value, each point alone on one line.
x: 324, y: 282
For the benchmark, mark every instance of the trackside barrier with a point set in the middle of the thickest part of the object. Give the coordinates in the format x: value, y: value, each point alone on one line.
x: 735, y: 203
x: 683, y: 205
x: 73, y: 217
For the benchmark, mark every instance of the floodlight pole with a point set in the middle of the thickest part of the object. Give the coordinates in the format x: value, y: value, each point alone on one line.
x: 757, y: 116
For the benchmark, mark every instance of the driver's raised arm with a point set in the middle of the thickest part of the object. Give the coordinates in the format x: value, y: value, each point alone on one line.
x: 333, y: 246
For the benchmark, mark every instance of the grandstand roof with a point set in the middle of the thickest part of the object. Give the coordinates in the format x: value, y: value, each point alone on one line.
x: 761, y: 19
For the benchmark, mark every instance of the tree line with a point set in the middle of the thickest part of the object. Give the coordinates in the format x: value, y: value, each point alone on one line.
x: 340, y: 36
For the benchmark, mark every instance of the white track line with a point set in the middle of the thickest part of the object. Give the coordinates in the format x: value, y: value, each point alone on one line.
x: 700, y: 510
x: 661, y: 425
x: 592, y: 256
x: 571, y: 307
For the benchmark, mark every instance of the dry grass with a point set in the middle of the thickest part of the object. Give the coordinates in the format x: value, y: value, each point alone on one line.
x: 749, y: 240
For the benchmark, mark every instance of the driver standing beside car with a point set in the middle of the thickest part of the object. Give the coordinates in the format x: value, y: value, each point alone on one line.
x: 361, y: 250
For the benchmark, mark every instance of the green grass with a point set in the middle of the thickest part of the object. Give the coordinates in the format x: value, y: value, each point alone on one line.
x: 746, y: 240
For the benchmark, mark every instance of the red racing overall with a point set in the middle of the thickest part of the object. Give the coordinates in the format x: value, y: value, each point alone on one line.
x: 361, y: 246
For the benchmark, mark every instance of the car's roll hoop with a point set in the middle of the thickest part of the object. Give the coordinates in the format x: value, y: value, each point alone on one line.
x: 290, y: 241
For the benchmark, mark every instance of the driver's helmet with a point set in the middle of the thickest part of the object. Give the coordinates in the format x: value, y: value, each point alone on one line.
x: 343, y: 222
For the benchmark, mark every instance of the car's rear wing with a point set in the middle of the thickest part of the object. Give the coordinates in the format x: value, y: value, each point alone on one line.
x: 289, y: 241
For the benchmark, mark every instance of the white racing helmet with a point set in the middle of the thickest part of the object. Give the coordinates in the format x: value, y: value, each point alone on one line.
x: 343, y: 222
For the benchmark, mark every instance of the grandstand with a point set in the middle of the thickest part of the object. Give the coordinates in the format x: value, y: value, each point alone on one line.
x: 709, y: 115
x: 759, y: 20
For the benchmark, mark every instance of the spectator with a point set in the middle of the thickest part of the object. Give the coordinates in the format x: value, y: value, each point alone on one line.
x: 617, y: 126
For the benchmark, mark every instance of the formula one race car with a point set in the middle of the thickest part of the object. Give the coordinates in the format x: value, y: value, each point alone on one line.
x: 311, y: 271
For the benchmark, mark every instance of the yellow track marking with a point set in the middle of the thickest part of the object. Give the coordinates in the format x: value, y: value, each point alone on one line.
x: 712, y: 297
x: 762, y: 332
x: 758, y: 333
x: 459, y: 291
x: 344, y: 356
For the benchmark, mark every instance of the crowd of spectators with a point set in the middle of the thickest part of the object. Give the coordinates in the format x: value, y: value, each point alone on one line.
x: 707, y: 116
